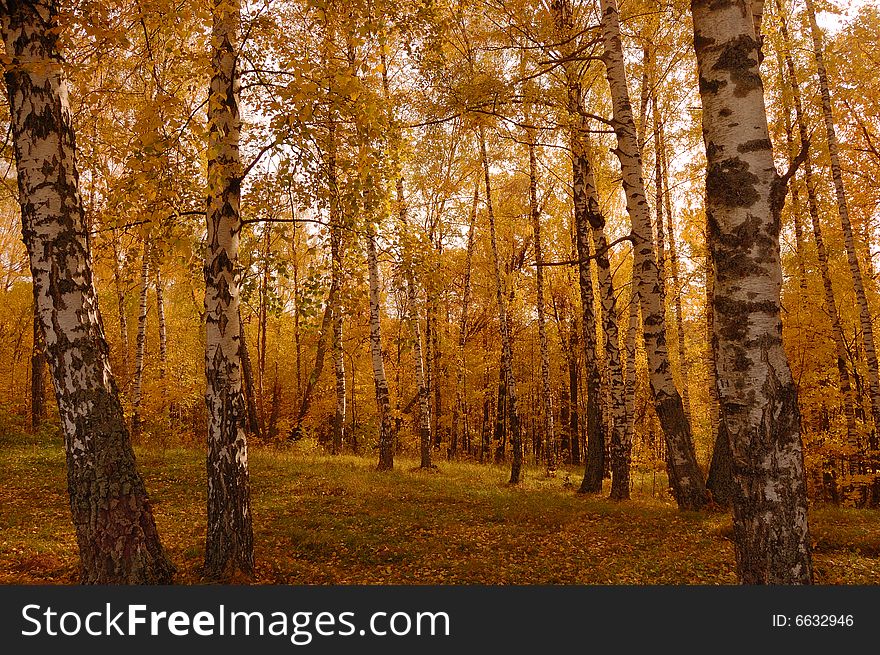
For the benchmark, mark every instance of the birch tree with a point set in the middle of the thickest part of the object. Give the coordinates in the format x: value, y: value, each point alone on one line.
x: 845, y: 223
x: 686, y: 479
x: 229, y: 544
x: 112, y: 515
x: 504, y: 327
x: 758, y: 397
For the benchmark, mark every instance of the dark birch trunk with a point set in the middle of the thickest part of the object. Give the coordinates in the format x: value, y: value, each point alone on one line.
x: 38, y: 378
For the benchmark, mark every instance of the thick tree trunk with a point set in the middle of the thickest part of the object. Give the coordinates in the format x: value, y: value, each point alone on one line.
x: 229, y: 546
x: 387, y: 435
x: 140, y: 345
x: 687, y: 480
x: 38, y: 378
x: 459, y: 409
x: 504, y: 327
x: 846, y: 225
x: 549, y: 429
x: 115, y: 530
x: 744, y: 200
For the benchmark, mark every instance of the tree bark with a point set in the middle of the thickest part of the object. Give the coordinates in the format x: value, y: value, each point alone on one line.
x: 744, y: 201
x: 549, y: 429
x: 229, y: 544
x: 123, y: 316
x: 115, y: 530
x: 846, y: 225
x: 251, y: 422
x: 414, y: 321
x: 140, y: 345
x: 159, y: 283
x: 504, y: 327
x: 459, y: 409
x: 719, y: 482
x: 338, y: 438
x: 387, y: 436
x: 687, y: 480
x: 38, y: 379
x: 315, y: 375
x: 830, y: 302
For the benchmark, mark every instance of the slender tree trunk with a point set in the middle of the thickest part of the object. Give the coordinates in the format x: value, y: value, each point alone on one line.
x: 846, y: 225
x: 549, y: 429
x: 159, y: 283
x: 141, y: 345
x: 320, y: 353
x: 115, y: 530
x: 387, y: 435
x: 744, y: 201
x: 687, y: 480
x: 336, y: 292
x: 574, y: 417
x: 720, y: 479
x: 123, y: 315
x: 421, y: 381
x: 504, y: 327
x: 677, y: 288
x: 459, y: 409
x: 251, y: 422
x: 412, y: 317
x: 621, y: 440
x: 38, y: 378
x: 813, y: 206
x: 229, y: 545
x: 629, y: 389
x: 585, y: 203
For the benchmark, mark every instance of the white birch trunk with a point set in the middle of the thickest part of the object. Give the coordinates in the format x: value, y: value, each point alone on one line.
x: 686, y: 478
x: 229, y: 541
x: 845, y: 223
x: 140, y: 345
x: 115, y: 530
x: 383, y: 401
x: 459, y: 409
x: 549, y: 439
x: 504, y: 328
x: 758, y: 397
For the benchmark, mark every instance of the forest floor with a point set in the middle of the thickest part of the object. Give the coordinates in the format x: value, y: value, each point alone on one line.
x: 335, y: 520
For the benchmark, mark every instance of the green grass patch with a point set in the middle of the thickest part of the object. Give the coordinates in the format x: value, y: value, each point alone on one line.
x: 335, y: 520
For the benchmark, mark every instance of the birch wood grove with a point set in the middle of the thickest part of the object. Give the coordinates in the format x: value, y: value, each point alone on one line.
x: 510, y: 292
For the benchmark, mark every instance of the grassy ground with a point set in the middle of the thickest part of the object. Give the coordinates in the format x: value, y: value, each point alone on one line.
x: 334, y: 520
